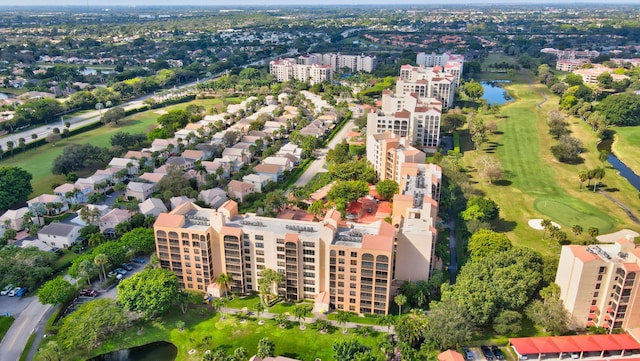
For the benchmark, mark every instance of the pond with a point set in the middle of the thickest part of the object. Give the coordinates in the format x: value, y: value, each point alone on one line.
x: 157, y: 351
x: 622, y: 168
x: 494, y: 93
x: 4, y: 96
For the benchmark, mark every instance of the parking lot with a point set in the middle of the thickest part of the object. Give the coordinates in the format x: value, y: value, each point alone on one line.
x: 13, y: 305
x: 478, y: 355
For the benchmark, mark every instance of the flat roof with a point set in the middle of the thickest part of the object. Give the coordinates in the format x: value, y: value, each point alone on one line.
x: 581, y: 343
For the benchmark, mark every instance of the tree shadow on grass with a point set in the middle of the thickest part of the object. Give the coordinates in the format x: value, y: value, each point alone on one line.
x: 292, y: 355
x: 503, y: 182
x: 610, y: 190
x: 502, y: 225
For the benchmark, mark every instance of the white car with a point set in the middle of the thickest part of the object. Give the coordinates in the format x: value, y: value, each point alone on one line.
x: 13, y: 292
x: 6, y: 290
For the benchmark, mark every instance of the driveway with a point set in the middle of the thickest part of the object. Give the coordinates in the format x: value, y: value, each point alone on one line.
x: 318, y: 165
x: 26, y: 323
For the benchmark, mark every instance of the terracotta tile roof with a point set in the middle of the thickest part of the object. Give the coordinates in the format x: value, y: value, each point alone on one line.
x: 169, y: 220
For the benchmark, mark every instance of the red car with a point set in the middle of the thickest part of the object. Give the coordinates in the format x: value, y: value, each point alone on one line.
x: 88, y: 292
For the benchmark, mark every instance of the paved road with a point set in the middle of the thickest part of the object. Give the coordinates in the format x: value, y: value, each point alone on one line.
x: 318, y: 165
x: 26, y: 323
x: 453, y: 266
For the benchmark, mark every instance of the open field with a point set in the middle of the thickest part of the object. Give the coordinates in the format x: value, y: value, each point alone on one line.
x: 626, y: 147
x: 306, y: 345
x: 38, y: 161
x: 533, y: 176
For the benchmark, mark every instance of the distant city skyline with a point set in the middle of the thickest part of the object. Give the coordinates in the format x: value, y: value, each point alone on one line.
x: 267, y: 3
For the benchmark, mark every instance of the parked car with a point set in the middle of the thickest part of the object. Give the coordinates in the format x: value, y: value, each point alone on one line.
x: 12, y: 293
x: 88, y: 292
x: 127, y: 266
x: 111, y: 274
x: 120, y: 271
x: 139, y: 260
x: 486, y: 351
x: 497, y: 352
x: 468, y: 353
x: 575, y: 355
x: 23, y: 291
x: 119, y: 276
x: 6, y: 290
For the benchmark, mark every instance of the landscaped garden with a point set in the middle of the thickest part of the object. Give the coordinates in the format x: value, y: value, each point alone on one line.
x: 203, y: 331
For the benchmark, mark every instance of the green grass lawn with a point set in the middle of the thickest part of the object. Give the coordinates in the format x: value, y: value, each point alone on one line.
x: 5, y: 323
x: 626, y: 147
x: 306, y: 345
x: 535, y: 184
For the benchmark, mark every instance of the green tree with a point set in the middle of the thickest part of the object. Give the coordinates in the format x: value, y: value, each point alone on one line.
x: 56, y: 291
x: 259, y: 307
x: 113, y: 115
x: 139, y: 240
x: 474, y: 90
x: 593, y: 232
x: 410, y: 329
x: 508, y: 323
x: 150, y: 292
x: 451, y: 121
x: 342, y: 317
x: 339, y: 154
x: 353, y: 170
x: 448, y: 326
x: 275, y: 201
x: 91, y: 324
x: 550, y: 312
x: 174, y: 119
x: 486, y: 242
x: 387, y: 188
x: 598, y: 174
x: 300, y: 312
x: 576, y: 230
x: 583, y: 176
x: 267, y: 280
x: 15, y: 186
x: 224, y: 281
x: 347, y: 350
x: 266, y: 348
x: 317, y: 208
x: 621, y: 109
x: 482, y: 209
x: 400, y: 300
x: 573, y: 79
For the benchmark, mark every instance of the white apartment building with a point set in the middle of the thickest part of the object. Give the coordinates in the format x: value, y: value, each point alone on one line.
x: 427, y: 83
x: 451, y: 63
x: 365, y: 63
x: 287, y: 69
x: 387, y: 152
x: 408, y: 116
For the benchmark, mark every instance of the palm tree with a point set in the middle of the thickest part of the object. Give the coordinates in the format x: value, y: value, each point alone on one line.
x: 577, y: 230
x: 599, y: 173
x: 343, y: 317
x: 400, y: 300
x: 583, y: 175
x: 22, y: 144
x: 546, y: 224
x: 593, y: 232
x: 10, y: 146
x: 259, y: 308
x: 101, y: 260
x: 224, y: 280
x: 281, y: 319
x: 200, y: 170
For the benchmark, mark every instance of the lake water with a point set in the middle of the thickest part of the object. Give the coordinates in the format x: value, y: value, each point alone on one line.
x: 157, y: 351
x: 622, y: 168
x: 495, y: 94
x: 3, y: 96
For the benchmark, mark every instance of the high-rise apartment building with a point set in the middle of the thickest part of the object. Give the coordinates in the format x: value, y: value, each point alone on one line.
x: 427, y: 83
x: 287, y: 69
x: 387, y: 152
x: 408, y: 116
x: 598, y: 284
x: 351, y: 263
x: 451, y: 63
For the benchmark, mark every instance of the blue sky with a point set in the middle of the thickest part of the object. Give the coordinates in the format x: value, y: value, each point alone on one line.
x: 107, y: 3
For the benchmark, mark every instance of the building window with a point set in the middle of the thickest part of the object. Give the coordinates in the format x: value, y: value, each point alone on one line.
x: 259, y: 237
x: 259, y: 252
x: 308, y: 244
x: 260, y: 259
x: 340, y: 253
x: 354, y: 254
x: 259, y: 244
x: 280, y: 241
x: 246, y: 243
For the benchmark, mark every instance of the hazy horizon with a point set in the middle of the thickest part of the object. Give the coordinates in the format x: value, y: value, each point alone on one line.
x: 229, y: 3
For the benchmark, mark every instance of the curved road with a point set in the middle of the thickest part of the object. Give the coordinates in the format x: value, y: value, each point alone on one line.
x: 24, y: 325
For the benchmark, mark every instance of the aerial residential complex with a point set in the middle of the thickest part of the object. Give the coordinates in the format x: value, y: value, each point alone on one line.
x: 598, y: 284
x: 387, y: 152
x: 356, y: 266
x: 452, y: 63
x: 317, y: 68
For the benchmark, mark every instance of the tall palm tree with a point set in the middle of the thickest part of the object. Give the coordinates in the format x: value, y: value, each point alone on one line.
x: 576, y: 230
x: 259, y: 308
x: 387, y: 320
x: 343, y: 317
x: 101, y: 260
x: 400, y: 300
x: 583, y: 175
x: 224, y: 281
x: 545, y: 223
x: 200, y: 170
x: 593, y: 232
x: 217, y: 304
x: 599, y: 173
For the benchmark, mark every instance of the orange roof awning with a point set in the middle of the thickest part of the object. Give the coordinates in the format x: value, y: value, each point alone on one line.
x: 606, y: 325
x: 607, y: 318
x: 591, y: 324
x: 609, y: 309
x: 592, y: 316
x: 593, y: 308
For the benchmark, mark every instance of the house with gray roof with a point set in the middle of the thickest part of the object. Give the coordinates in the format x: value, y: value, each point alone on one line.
x: 60, y: 235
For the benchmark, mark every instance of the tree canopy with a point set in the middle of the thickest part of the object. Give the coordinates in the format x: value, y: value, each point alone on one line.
x: 56, y: 291
x: 486, y: 242
x: 621, y: 109
x: 474, y: 90
x: 482, y: 209
x: 15, y: 186
x: 78, y: 156
x: 387, y: 188
x: 92, y: 323
x: 150, y: 292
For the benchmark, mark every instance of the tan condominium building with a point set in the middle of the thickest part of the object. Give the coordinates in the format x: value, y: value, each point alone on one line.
x: 598, y: 284
x: 348, y: 264
x: 408, y: 116
x: 387, y: 152
x: 427, y: 82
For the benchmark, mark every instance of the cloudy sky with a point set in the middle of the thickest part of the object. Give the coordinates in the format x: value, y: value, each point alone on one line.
x: 281, y: 2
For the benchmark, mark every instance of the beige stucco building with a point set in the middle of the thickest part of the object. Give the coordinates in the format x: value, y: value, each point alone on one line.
x: 350, y: 265
x: 387, y: 152
x: 598, y: 284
